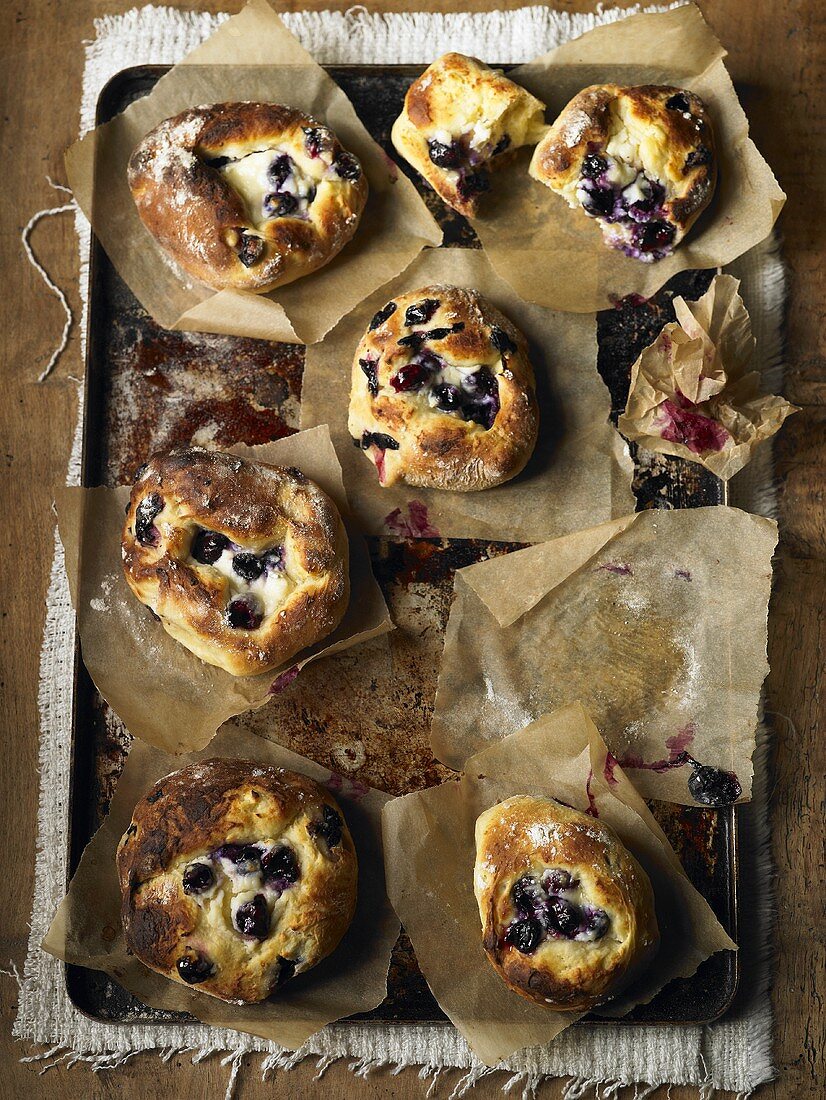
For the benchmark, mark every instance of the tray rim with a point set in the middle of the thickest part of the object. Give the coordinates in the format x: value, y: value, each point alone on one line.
x: 79, y: 669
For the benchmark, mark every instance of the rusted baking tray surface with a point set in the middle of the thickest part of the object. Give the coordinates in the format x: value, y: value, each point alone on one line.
x: 147, y: 388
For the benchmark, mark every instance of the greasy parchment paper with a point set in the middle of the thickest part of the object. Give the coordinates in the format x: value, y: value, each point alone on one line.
x: 163, y: 693
x: 429, y: 856
x: 87, y: 931
x: 693, y: 386
x: 656, y: 622
x: 580, y: 472
x: 250, y: 57
x: 554, y: 255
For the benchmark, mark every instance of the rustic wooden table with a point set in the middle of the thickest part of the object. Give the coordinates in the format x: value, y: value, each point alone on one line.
x: 777, y: 60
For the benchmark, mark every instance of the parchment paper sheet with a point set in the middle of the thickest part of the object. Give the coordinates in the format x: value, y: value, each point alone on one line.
x: 87, y: 930
x: 430, y: 852
x: 554, y: 255
x: 580, y: 472
x: 250, y: 57
x: 163, y: 693
x: 656, y: 622
x: 696, y: 371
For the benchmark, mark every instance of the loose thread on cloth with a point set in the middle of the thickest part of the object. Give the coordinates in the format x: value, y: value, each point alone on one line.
x: 25, y: 237
x: 594, y: 1061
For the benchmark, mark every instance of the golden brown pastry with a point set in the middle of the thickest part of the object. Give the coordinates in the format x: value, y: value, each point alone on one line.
x: 567, y: 912
x: 462, y: 120
x: 247, y: 195
x: 245, y: 564
x: 442, y: 392
x: 639, y: 160
x: 234, y: 877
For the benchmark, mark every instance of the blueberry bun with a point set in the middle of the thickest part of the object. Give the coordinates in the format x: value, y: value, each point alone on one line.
x: 244, y: 563
x: 442, y: 393
x: 247, y: 196
x: 641, y: 161
x: 567, y: 912
x: 235, y: 877
x: 461, y: 121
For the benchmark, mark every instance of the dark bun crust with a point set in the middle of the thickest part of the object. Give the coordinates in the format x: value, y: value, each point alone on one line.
x: 662, y: 131
x: 282, y: 551
x: 188, y: 182
x: 201, y: 817
x: 467, y: 344
x: 567, y: 912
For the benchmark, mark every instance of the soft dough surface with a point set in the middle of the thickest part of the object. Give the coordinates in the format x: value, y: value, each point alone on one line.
x: 244, y: 563
x: 235, y: 876
x: 567, y: 912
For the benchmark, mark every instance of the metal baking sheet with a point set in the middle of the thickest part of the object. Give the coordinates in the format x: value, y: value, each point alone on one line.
x: 148, y: 388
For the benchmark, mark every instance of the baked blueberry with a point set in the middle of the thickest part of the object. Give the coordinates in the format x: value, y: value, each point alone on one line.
x: 420, y: 312
x: 280, y: 168
x: 370, y: 368
x: 145, y: 530
x: 329, y: 828
x: 411, y: 377
x: 713, y: 786
x: 346, y: 166
x: 194, y: 968
x: 208, y: 546
x: 244, y: 613
x: 382, y: 315
x: 525, y: 935
x: 565, y: 918
x: 280, y: 866
x: 250, y: 249
x: 248, y: 566
x: 197, y: 877
x: 253, y: 918
x: 445, y: 155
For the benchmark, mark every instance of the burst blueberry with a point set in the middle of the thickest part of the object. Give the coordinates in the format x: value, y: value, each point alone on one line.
x: 280, y: 168
x: 248, y: 566
x: 526, y: 894
x: 421, y: 312
x: 473, y: 183
x: 380, y: 440
x: 346, y: 166
x: 280, y: 205
x: 593, y: 166
x: 556, y: 880
x: 329, y: 828
x: 500, y: 339
x: 525, y: 935
x: 253, y: 918
x: 410, y: 378
x: 197, y: 877
x: 244, y: 613
x: 370, y: 368
x: 697, y: 157
x: 445, y: 156
x: 280, y: 866
x: 713, y: 786
x: 565, y: 918
x: 596, y: 921
x: 382, y: 315
x: 314, y: 140
x: 208, y: 546
x: 250, y: 249
x: 679, y: 102
x: 448, y: 398
x: 145, y: 530
x: 194, y: 968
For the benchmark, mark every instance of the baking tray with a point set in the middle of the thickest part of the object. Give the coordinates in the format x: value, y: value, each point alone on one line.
x: 147, y: 388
